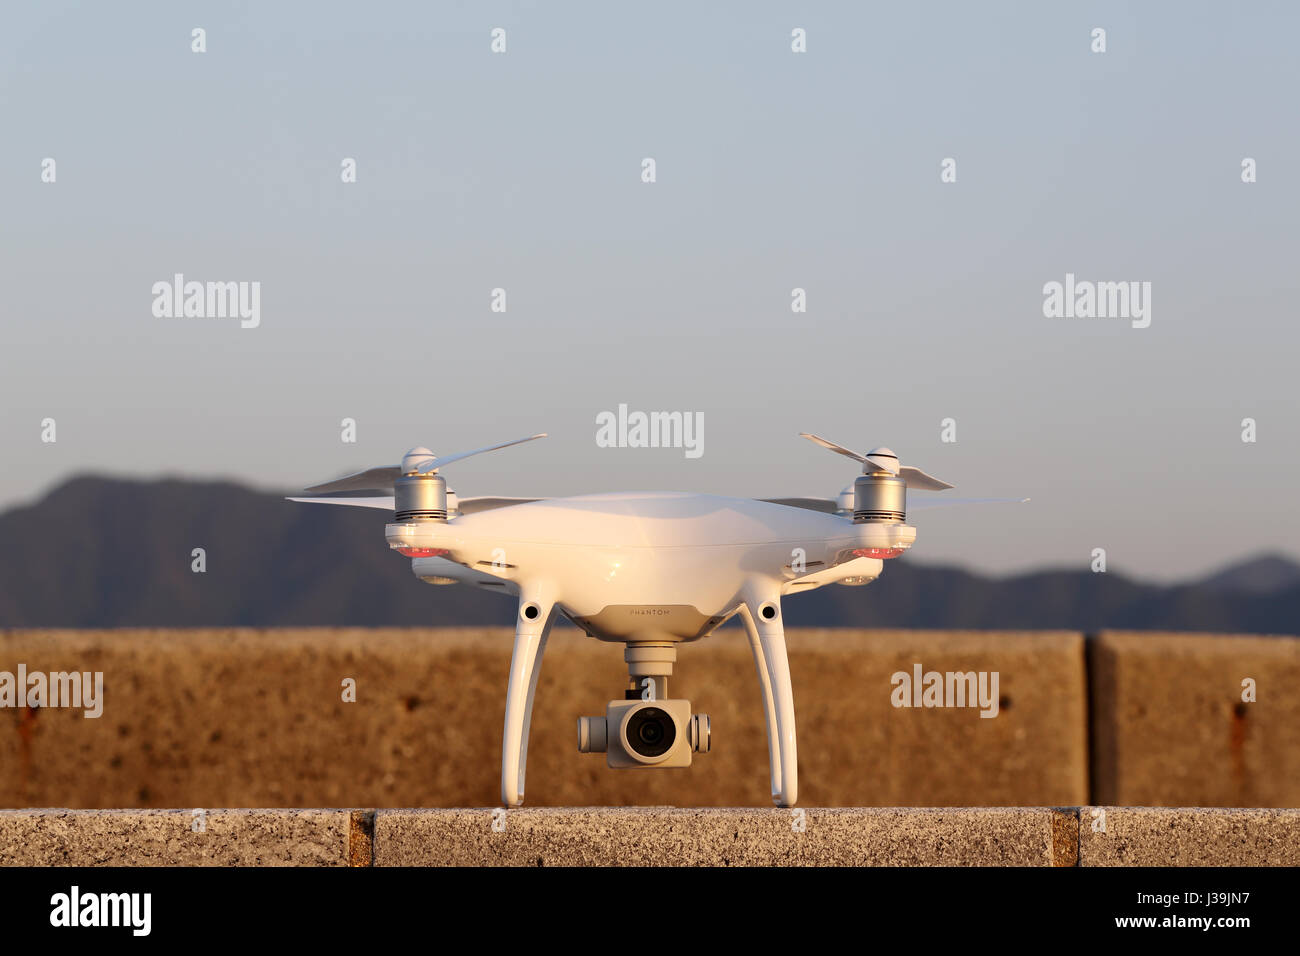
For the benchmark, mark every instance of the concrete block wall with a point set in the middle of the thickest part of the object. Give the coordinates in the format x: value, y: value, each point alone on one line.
x: 1170, y: 726
x: 240, y: 718
x: 257, y: 718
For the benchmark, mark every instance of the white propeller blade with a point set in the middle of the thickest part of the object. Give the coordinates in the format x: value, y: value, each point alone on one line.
x: 466, y: 506
x: 830, y: 505
x: 919, y: 504
x: 885, y: 460
x: 469, y: 506
x: 437, y: 463
x: 386, y: 503
x: 382, y: 479
x: 372, y: 479
x: 838, y: 449
x: 826, y: 505
x: 916, y: 478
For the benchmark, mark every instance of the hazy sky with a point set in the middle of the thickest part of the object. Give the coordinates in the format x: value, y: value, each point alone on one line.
x: 775, y: 170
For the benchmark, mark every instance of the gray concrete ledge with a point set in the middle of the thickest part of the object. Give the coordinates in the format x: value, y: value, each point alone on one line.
x: 180, y: 838
x: 1189, y: 836
x: 655, y: 836
x: 636, y: 836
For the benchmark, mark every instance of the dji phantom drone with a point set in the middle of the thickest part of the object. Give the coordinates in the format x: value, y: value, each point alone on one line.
x: 650, y: 570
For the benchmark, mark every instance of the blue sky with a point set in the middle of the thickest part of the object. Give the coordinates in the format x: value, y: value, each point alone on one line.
x: 775, y: 170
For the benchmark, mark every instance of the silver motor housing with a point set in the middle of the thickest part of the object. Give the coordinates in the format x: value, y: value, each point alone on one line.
x: 879, y: 498
x: 420, y: 498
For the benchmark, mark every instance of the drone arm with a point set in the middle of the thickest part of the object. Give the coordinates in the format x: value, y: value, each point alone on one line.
x: 761, y: 613
x: 531, y: 633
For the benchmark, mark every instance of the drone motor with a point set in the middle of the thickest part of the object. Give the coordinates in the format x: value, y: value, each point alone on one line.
x: 879, y: 497
x: 420, y: 498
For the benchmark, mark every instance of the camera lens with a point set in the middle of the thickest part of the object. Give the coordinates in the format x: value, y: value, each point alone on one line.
x: 651, y: 732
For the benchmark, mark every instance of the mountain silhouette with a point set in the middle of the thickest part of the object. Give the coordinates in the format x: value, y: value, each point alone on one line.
x: 102, y: 552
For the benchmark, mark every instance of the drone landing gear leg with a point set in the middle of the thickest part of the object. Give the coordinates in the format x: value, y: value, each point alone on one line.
x: 761, y: 614
x: 532, y: 628
x: 769, y: 708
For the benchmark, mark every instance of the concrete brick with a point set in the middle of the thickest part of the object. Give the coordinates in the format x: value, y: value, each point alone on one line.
x: 666, y: 836
x: 168, y: 838
x: 1170, y: 728
x: 239, y: 718
x: 1199, y: 836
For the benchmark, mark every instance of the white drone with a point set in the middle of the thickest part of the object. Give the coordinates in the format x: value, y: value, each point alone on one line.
x: 650, y: 570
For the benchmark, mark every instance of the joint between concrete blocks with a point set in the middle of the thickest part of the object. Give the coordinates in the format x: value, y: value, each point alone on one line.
x: 361, y: 838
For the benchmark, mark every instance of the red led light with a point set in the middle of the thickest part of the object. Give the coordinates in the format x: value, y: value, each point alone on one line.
x: 422, y: 552
x: 878, y: 552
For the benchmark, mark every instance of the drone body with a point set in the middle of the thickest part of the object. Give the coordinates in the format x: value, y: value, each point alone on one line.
x: 650, y: 570
x: 652, y: 566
